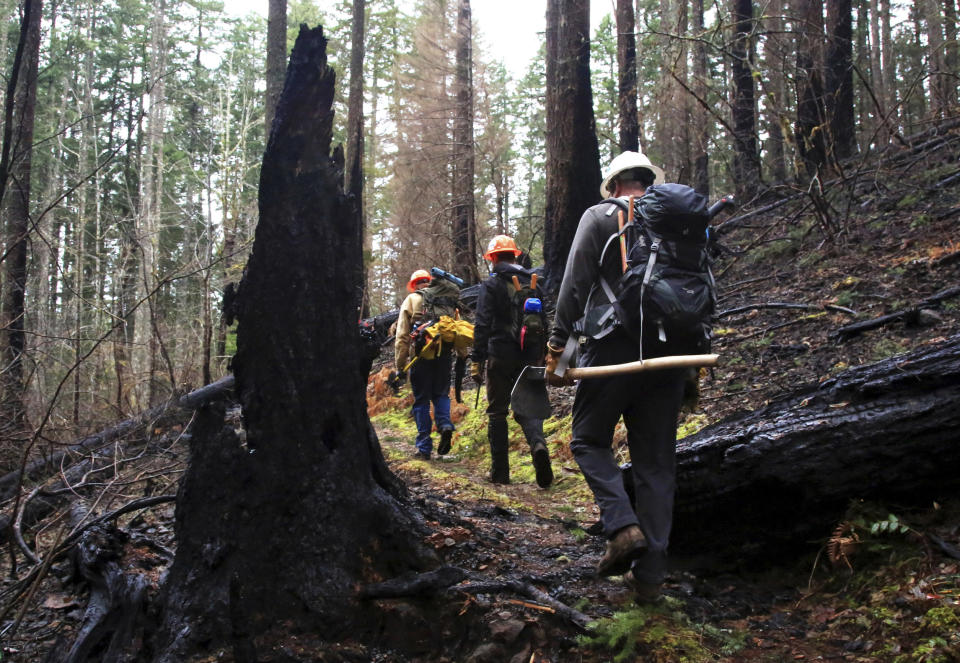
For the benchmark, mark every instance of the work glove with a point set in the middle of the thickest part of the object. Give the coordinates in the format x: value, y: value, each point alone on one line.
x: 553, y: 356
x: 394, y: 380
x: 476, y: 371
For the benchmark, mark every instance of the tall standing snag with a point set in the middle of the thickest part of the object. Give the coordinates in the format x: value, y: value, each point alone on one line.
x: 573, y: 156
x: 281, y: 533
x: 15, y: 165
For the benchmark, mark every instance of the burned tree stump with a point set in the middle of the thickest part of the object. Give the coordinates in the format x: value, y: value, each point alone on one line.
x: 279, y: 533
x: 784, y: 475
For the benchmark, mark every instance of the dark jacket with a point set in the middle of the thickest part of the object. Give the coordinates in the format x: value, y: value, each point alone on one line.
x: 581, y: 277
x: 492, y: 333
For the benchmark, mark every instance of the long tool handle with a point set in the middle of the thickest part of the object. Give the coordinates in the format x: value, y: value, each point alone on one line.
x: 675, y: 361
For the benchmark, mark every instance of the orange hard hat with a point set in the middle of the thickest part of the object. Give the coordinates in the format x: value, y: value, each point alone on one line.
x: 501, y: 244
x: 416, y: 278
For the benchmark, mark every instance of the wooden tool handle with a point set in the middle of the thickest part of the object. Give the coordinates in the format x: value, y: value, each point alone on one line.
x: 675, y: 361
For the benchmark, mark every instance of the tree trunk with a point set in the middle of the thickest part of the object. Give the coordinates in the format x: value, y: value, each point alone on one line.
x: 276, y: 56
x: 887, y: 65
x: 950, y: 55
x: 627, y: 87
x: 877, y: 81
x: 309, y: 476
x: 573, y: 155
x: 15, y: 165
x: 935, y: 56
x: 464, y: 229
x: 745, y: 158
x: 700, y: 179
x: 775, y: 53
x: 915, y: 101
x: 811, y: 145
x: 839, y: 78
x: 147, y: 333
x: 784, y: 475
x: 125, y: 277
x: 353, y: 170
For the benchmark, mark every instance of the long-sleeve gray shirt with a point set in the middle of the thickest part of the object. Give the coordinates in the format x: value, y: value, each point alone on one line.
x: 581, y: 277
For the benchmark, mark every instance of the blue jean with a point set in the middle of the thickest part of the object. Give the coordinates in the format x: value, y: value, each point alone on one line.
x: 430, y: 382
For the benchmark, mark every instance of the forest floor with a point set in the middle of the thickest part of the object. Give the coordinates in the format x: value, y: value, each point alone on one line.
x: 894, y: 598
x: 893, y: 595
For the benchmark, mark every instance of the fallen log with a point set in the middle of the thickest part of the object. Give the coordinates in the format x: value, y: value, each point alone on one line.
x: 909, y: 316
x: 9, y: 483
x: 39, y: 504
x: 784, y: 475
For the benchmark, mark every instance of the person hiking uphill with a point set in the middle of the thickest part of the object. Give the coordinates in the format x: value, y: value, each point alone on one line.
x: 429, y: 370
x: 649, y: 401
x: 509, y: 333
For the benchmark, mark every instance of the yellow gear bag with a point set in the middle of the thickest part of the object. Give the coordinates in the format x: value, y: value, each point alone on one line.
x: 447, y: 330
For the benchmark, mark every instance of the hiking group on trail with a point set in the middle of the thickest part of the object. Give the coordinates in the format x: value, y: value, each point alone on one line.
x: 636, y: 286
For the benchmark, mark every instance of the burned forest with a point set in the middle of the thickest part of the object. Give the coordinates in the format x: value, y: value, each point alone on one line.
x: 214, y: 222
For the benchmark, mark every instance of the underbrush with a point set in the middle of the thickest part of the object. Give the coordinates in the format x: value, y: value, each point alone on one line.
x: 661, y: 632
x: 894, y: 588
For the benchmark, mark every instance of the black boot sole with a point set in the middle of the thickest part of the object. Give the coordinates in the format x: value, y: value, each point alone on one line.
x: 446, y: 437
x: 541, y: 466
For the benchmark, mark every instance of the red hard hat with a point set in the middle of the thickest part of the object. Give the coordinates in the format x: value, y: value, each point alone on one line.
x: 501, y: 244
x: 416, y: 278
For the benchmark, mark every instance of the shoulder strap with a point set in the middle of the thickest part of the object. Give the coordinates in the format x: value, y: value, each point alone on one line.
x: 615, y: 237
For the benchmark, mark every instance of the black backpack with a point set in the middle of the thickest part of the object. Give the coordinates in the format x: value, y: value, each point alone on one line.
x: 667, y: 290
x: 528, y: 319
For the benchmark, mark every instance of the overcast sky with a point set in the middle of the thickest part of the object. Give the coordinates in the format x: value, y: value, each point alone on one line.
x: 507, y: 29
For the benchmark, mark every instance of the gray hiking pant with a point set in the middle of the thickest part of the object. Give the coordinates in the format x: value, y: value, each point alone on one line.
x: 501, y: 376
x: 649, y: 403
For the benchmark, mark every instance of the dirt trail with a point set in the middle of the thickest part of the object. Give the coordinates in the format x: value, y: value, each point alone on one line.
x: 520, y: 531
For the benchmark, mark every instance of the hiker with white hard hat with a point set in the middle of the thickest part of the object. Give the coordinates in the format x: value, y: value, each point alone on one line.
x: 649, y: 402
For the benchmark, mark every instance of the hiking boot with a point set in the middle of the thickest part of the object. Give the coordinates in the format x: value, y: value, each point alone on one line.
x: 541, y: 464
x: 496, y: 477
x: 421, y: 455
x: 446, y: 437
x: 645, y: 592
x: 499, y: 451
x: 626, y: 545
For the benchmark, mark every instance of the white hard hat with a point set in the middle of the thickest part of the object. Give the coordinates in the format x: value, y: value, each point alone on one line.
x: 628, y: 161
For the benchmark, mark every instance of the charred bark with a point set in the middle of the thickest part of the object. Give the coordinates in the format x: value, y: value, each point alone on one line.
x: 746, y: 163
x: 354, y: 173
x: 573, y: 155
x: 784, y: 475
x: 627, y: 79
x: 463, y: 227
x: 282, y: 531
x: 811, y: 114
x: 120, y: 573
x: 839, y: 79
